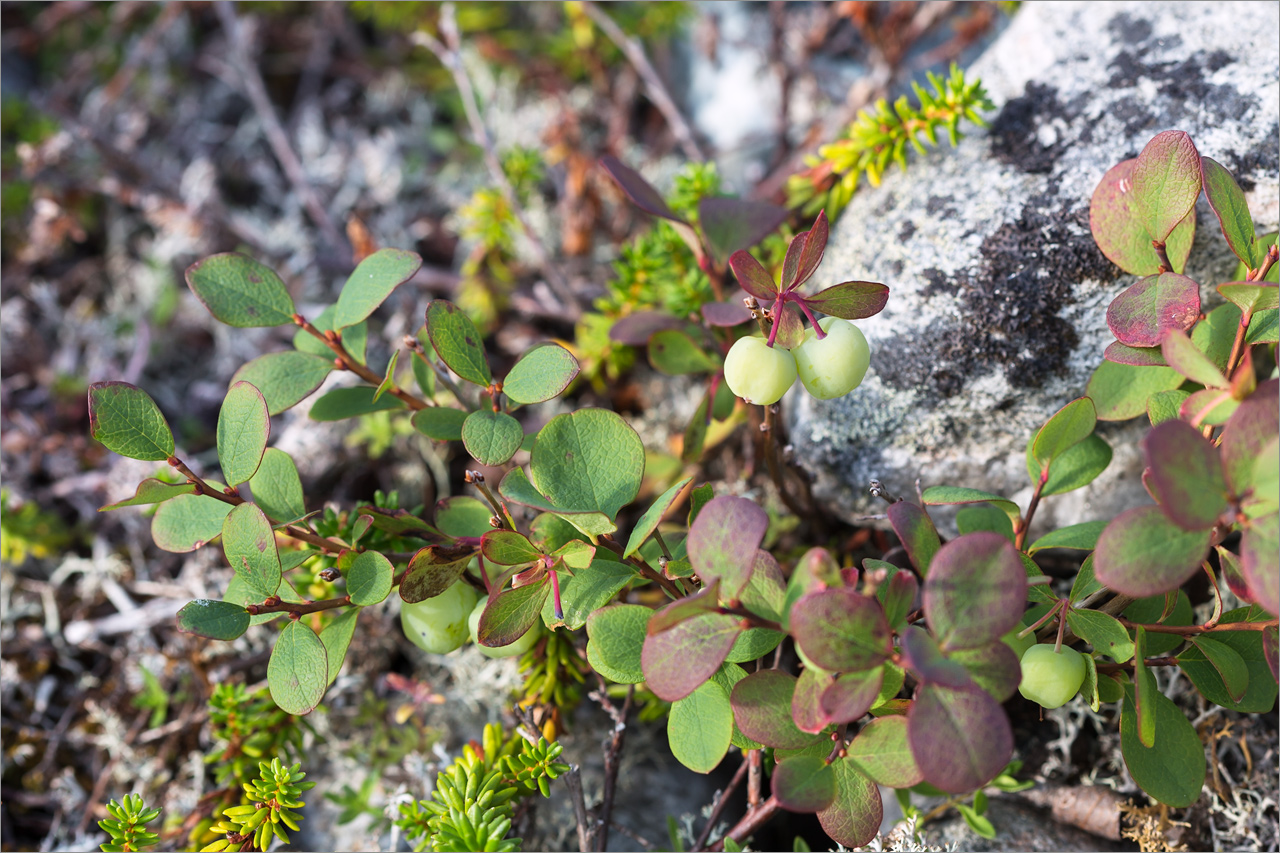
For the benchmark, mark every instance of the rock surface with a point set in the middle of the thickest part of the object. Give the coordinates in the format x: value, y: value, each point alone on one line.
x: 996, y: 316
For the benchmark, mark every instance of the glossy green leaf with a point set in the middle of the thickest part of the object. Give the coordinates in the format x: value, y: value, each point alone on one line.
x: 1078, y: 537
x: 1143, y: 553
x: 298, y: 673
x: 984, y: 516
x: 458, y: 342
x: 915, y: 529
x: 1069, y: 426
x: 1231, y: 208
x: 541, y: 373
x: 1150, y: 610
x: 152, y: 491
x: 1164, y: 406
x: 213, y: 620
x: 509, y: 615
x: 1184, y: 473
x: 590, y: 459
x: 943, y: 495
x: 285, y: 378
x: 1251, y: 296
x: 1228, y: 663
x: 239, y: 593
x: 674, y: 353
x: 1186, y: 358
x: 372, y: 281
x: 1085, y: 584
x: 1173, y: 771
x: 341, y: 403
x: 615, y: 639
x: 516, y: 487
x: 276, y: 487
x: 586, y: 591
x: 369, y: 578
x: 1120, y: 391
x: 355, y: 339
x: 126, y: 420
x: 700, y: 728
x: 249, y: 544
x: 239, y: 291
x: 804, y: 783
x: 440, y: 422
x: 881, y: 751
x: 1120, y: 233
x: 652, y: 517
x: 1166, y: 182
x: 1259, y: 694
x: 491, y: 437
x: 243, y: 429
x: 336, y: 637
x: 1103, y: 632
x: 389, y: 380
x: 676, y: 661
x: 1264, y: 328
x: 187, y: 522
x: 975, y: 591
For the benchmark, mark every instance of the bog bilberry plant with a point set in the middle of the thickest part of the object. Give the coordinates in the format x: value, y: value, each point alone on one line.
x: 903, y: 668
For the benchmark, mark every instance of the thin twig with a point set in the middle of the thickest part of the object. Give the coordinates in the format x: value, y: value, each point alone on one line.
x: 612, y: 762
x: 632, y: 49
x: 256, y: 91
x: 346, y: 361
x: 448, y: 54
x: 573, y: 781
x: 751, y: 822
x: 720, y: 803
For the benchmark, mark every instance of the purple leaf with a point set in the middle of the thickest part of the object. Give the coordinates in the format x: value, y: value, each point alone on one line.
x: 1259, y: 548
x: 790, y: 327
x: 677, y: 661
x: 753, y: 278
x: 725, y: 313
x: 1136, y: 356
x: 510, y: 614
x: 805, y: 254
x: 635, y: 329
x: 918, y: 535
x: 806, y: 701
x: 762, y: 710
x: 1119, y: 232
x: 841, y: 630
x: 731, y: 224
x: 666, y: 618
x: 640, y: 191
x: 975, y: 591
x: 1185, y: 475
x: 960, y: 738
x: 804, y: 783
x: 851, y: 300
x: 1253, y: 426
x: 922, y: 655
x: 897, y: 595
x: 995, y: 668
x: 854, y: 817
x: 1166, y: 182
x: 1142, y: 553
x: 1145, y: 312
x: 723, y: 542
x: 851, y: 695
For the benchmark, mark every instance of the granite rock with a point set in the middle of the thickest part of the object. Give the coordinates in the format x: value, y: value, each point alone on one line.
x: 998, y: 295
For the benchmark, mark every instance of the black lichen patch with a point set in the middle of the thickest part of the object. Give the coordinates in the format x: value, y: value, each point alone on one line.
x: 937, y: 205
x: 1184, y: 85
x: 1010, y: 303
x: 1015, y: 139
x: 1262, y: 159
x: 907, y: 231
x: 1129, y: 30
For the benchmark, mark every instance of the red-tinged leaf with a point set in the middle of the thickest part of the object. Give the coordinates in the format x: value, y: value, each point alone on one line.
x: 898, y: 596
x: 805, y: 254
x: 923, y: 657
x: 753, y: 278
x: 1185, y: 475
x: 1233, y: 573
x: 1142, y: 553
x: 806, y: 701
x: 1119, y: 232
x: 1260, y: 561
x: 1229, y: 205
x: 725, y: 314
x: 841, y: 630
x: 508, y: 548
x: 961, y: 739
x: 994, y: 667
x: 762, y: 709
x: 1146, y: 311
x: 677, y: 661
x: 1166, y: 182
x: 640, y: 191
x: 1186, y: 358
x: 1251, y: 428
x: 1135, y: 356
x: 510, y: 614
x: 723, y: 542
x: 804, y: 783
x: 882, y: 752
x: 434, y: 569
x: 1208, y: 407
x: 636, y: 329
x: 919, y: 536
x: 666, y: 618
x: 790, y: 327
x: 851, y: 695
x: 1251, y: 296
x: 854, y: 817
x: 975, y: 591
x: 732, y: 224
x: 851, y: 300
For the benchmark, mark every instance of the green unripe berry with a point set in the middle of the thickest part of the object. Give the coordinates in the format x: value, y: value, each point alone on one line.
x: 833, y: 366
x: 757, y: 372
x: 511, y: 650
x: 1050, y: 679
x: 439, y: 625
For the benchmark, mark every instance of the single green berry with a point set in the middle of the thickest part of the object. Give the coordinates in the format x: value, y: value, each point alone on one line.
x: 1051, y: 678
x: 511, y: 650
x: 757, y: 372
x: 833, y: 366
x: 439, y: 625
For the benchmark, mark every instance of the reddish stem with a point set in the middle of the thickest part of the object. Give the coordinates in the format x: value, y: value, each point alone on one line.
x: 804, y: 306
x: 777, y: 318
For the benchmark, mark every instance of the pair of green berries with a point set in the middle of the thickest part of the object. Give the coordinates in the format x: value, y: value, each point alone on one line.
x: 444, y: 623
x: 828, y: 367
x: 1049, y: 678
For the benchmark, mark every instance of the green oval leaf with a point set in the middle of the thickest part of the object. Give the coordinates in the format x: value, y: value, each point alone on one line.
x: 1171, y: 772
x: 1166, y: 182
x: 1142, y: 553
x: 285, y: 378
x: 512, y: 613
x: 187, y: 522
x: 336, y: 637
x: 804, y: 783
x: 1103, y: 632
x: 369, y: 578
x: 881, y: 752
x: 440, y: 422
x: 276, y: 486
x: 249, y: 544
x: 674, y: 353
x: 541, y: 373
x: 653, y: 517
x: 588, y: 460
x: 126, y: 420
x: 516, y: 487
x: 458, y: 342
x: 152, y: 491
x: 943, y: 495
x: 243, y: 429
x: 1227, y: 662
x: 240, y: 292
x: 298, y: 673
x: 615, y: 639
x: 700, y: 728
x: 1260, y: 685
x: 1078, y: 537
x: 491, y: 437
x: 213, y: 620
x: 372, y: 282
x: 1069, y: 426
x: 1121, y: 391
x: 508, y: 548
x: 976, y: 590
x: 342, y: 403
x: 1229, y: 204
x: 1251, y: 296
x: 586, y: 591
